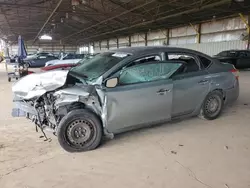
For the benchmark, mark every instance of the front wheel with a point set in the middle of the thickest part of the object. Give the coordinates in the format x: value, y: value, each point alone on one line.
x: 212, y: 106
x: 79, y: 130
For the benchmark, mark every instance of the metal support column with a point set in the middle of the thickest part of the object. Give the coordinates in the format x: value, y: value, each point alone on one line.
x: 247, y: 23
x: 248, y: 31
x: 198, y: 32
x: 117, y: 42
x: 168, y: 36
x: 129, y: 41
x: 146, y: 39
x: 108, y: 44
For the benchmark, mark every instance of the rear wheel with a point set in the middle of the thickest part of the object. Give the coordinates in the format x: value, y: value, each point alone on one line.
x: 212, y: 106
x: 80, y: 130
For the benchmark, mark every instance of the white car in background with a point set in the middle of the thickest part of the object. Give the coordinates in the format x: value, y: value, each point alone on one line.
x: 68, y: 59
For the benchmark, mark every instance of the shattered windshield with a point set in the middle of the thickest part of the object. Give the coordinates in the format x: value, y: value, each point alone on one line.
x: 86, y: 58
x: 93, y: 68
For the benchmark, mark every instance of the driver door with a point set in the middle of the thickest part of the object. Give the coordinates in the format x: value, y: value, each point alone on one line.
x: 142, y: 97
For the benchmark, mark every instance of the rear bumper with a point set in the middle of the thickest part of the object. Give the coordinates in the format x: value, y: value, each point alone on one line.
x: 232, y: 94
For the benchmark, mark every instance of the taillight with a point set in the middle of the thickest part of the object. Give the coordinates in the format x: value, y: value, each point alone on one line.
x: 236, y: 73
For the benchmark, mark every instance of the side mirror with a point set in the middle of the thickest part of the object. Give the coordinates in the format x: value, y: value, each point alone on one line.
x: 111, y: 83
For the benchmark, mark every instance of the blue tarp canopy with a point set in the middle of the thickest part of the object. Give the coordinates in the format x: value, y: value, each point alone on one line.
x: 22, y: 53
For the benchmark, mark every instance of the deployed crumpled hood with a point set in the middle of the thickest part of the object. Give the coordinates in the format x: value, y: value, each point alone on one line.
x: 61, y: 62
x: 36, y: 84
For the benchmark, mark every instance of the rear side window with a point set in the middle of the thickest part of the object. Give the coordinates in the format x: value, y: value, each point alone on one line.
x: 205, y: 62
x: 191, y: 65
x: 223, y: 54
x: 232, y: 54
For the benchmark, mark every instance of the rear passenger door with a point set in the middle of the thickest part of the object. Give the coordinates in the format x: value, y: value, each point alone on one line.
x: 189, y: 86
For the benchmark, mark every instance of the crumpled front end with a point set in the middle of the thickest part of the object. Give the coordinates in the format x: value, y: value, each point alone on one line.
x: 37, y: 84
x: 46, y: 104
x: 32, y: 97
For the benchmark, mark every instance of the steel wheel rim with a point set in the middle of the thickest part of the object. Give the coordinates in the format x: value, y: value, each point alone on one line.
x: 79, y: 132
x: 212, y: 105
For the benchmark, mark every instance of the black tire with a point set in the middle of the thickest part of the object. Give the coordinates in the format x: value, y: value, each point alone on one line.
x: 9, y: 79
x: 212, y: 106
x: 80, y: 130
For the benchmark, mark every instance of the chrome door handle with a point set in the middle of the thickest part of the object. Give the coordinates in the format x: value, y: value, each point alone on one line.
x: 202, y: 82
x: 163, y: 91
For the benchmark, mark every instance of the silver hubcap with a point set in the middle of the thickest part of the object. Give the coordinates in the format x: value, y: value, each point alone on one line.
x: 212, y: 105
x: 79, y: 132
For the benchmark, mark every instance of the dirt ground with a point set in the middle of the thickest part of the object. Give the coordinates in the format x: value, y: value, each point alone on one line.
x: 190, y: 153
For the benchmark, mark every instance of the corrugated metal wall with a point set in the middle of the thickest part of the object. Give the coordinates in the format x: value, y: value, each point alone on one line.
x: 215, y: 36
x: 44, y: 48
x: 213, y: 48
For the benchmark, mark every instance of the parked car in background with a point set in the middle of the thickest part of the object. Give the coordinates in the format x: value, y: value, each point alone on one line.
x: 239, y: 58
x: 66, y: 59
x: 73, y: 56
x: 59, y: 67
x: 125, y: 89
x: 65, y: 64
x: 39, y: 60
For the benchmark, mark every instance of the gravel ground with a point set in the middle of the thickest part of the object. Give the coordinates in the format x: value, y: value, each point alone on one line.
x: 189, y: 153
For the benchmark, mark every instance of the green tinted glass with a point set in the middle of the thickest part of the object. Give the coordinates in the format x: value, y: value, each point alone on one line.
x: 148, y: 72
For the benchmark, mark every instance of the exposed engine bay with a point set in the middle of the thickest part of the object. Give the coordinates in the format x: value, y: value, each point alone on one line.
x: 46, y: 104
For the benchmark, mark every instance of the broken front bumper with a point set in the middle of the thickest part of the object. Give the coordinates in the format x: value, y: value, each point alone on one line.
x: 23, y: 109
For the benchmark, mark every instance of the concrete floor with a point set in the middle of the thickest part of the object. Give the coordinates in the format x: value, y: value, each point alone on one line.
x: 191, y: 153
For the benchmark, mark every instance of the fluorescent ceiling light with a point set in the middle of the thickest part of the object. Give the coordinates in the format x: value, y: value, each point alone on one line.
x: 45, y: 37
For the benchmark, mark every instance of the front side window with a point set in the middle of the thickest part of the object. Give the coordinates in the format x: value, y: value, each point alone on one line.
x: 69, y: 56
x: 42, y: 57
x: 146, y: 59
x: 94, y: 67
x: 232, y: 54
x: 148, y: 72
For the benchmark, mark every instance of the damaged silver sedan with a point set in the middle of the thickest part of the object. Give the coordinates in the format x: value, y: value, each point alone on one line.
x: 124, y: 89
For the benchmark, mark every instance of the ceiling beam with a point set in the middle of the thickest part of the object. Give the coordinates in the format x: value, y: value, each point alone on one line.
x: 125, y: 8
x: 109, y: 19
x: 221, y: 2
x: 21, y: 5
x: 50, y: 16
x: 7, y: 21
x: 100, y: 12
x: 20, y: 27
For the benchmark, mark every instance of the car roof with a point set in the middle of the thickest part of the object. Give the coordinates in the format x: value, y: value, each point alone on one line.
x: 236, y: 51
x: 154, y: 49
